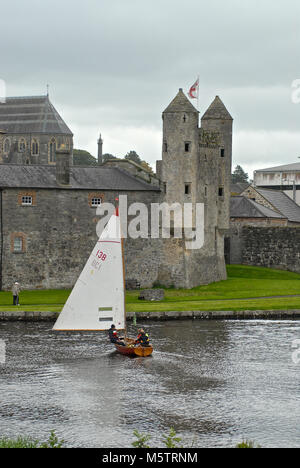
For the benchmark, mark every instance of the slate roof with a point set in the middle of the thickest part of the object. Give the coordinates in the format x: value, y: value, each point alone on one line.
x: 239, y: 187
x: 217, y: 110
x: 33, y: 114
x: 95, y: 178
x: 180, y: 104
x: 283, y: 203
x: 243, y: 207
x: 285, y: 168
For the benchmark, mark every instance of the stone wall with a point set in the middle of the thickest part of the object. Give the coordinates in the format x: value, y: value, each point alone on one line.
x: 21, y: 150
x: 57, y: 235
x: 273, y: 247
x: 235, y: 243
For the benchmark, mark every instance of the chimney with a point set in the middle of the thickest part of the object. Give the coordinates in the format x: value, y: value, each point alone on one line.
x: 63, y: 165
x: 100, y: 146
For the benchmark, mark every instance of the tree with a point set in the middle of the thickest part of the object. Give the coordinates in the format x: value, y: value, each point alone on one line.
x: 83, y: 158
x: 147, y: 167
x: 239, y: 175
x: 107, y: 156
x: 133, y: 156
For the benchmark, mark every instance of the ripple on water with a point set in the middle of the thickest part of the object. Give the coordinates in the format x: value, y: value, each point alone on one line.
x: 214, y: 382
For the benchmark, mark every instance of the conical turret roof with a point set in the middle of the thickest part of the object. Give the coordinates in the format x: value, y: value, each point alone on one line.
x: 217, y: 110
x: 180, y: 104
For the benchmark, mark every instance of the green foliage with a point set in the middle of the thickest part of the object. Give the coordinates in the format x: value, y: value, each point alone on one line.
x: 20, y: 442
x: 134, y: 319
x: 107, y: 156
x: 83, y: 158
x: 52, y: 442
x: 141, y: 441
x: 133, y: 156
x: 171, y: 440
x: 239, y: 175
x: 147, y: 167
x: 27, y: 442
x: 247, y: 444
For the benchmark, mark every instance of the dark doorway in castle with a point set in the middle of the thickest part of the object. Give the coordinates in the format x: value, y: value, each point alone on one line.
x: 227, y: 250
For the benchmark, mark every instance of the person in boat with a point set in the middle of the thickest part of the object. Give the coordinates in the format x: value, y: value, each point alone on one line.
x: 142, y: 338
x: 113, y: 336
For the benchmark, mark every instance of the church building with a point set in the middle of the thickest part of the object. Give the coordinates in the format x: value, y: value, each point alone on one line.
x: 31, y: 130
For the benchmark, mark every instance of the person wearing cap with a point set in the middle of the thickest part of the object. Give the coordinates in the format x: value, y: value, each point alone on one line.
x: 113, y: 336
x: 142, y: 338
x: 15, y: 292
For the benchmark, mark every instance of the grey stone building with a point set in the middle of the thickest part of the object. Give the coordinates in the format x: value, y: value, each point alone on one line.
x: 31, y: 131
x: 285, y: 178
x: 264, y: 229
x: 48, y: 212
x: 277, y: 201
x: 244, y: 213
x: 196, y: 167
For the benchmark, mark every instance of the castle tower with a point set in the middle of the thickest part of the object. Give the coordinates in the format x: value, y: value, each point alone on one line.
x: 217, y: 121
x: 100, y: 150
x: 180, y: 149
x: 196, y: 168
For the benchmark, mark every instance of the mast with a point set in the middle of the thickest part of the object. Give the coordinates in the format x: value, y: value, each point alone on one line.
x: 123, y: 264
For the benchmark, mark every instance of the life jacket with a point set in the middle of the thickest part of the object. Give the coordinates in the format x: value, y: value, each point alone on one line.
x: 113, y: 335
x: 143, y: 338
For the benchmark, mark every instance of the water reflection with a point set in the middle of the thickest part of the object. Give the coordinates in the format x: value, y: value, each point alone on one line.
x: 214, y: 382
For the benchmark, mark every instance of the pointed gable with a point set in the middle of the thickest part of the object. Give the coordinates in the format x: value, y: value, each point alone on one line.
x: 217, y: 110
x: 180, y: 104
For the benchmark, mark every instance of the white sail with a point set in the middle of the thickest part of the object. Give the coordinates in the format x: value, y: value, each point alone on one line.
x: 97, y: 299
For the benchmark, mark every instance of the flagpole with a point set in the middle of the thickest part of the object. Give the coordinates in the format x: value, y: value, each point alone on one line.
x: 198, y: 93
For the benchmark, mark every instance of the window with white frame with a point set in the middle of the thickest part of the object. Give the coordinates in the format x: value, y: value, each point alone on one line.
x: 26, y: 200
x: 18, y: 244
x: 96, y: 201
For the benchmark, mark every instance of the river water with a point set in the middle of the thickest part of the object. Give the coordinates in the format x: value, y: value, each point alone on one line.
x: 215, y: 382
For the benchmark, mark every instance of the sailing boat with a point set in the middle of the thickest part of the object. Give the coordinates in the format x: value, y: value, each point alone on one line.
x: 98, y: 298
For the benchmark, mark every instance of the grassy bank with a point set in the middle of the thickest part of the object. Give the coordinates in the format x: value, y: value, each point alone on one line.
x: 247, y: 288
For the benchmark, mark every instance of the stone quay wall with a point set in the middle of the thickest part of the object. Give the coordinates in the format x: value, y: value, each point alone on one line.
x: 141, y: 317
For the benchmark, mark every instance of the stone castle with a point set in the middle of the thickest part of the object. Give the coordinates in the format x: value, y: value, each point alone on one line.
x: 48, y: 206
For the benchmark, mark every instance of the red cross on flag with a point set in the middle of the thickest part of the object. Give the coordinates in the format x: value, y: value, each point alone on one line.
x: 194, y: 90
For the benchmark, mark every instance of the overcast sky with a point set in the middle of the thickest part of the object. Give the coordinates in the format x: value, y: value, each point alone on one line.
x: 113, y: 66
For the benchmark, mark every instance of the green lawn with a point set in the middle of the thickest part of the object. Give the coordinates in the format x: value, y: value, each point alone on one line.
x: 246, y: 288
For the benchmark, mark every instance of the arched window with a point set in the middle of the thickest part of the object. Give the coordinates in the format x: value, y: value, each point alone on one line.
x: 52, y: 150
x: 6, y: 146
x: 22, y: 145
x: 34, y: 147
x: 67, y: 143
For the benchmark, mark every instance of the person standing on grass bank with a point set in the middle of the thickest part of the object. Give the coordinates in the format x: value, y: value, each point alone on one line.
x: 16, y: 291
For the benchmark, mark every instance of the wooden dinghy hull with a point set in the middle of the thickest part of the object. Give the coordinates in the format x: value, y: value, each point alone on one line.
x: 134, y: 350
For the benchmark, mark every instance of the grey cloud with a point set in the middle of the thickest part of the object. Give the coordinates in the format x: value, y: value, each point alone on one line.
x: 115, y: 63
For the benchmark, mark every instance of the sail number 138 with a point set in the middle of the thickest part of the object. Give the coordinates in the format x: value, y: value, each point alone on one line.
x: 101, y: 255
